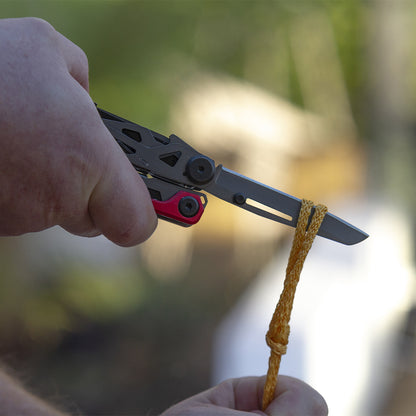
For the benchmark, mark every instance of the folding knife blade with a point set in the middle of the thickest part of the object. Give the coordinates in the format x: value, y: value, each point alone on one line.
x: 276, y: 205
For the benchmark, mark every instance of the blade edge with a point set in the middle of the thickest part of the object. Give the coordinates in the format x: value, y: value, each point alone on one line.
x: 227, y: 184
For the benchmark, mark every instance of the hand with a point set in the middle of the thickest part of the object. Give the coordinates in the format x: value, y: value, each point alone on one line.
x: 59, y: 164
x: 243, y: 396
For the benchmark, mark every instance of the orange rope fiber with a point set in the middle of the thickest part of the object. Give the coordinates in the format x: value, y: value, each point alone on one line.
x: 277, y: 336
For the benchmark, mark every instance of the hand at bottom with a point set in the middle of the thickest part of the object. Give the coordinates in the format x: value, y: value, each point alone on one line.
x: 243, y: 396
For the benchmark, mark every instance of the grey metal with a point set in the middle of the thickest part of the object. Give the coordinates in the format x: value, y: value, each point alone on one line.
x: 169, y: 165
x: 227, y: 184
x: 151, y: 152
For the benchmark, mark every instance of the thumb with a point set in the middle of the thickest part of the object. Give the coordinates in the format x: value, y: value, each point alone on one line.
x: 120, y: 205
x: 294, y: 397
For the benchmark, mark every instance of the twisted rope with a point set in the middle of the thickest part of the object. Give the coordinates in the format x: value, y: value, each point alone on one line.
x: 277, y: 336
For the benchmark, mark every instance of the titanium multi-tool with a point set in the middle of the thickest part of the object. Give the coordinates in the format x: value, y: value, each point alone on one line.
x: 175, y: 175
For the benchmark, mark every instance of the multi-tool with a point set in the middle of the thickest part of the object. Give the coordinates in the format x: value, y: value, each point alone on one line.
x: 175, y: 175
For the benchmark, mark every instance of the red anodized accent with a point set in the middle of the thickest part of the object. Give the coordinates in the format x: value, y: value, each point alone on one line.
x: 169, y: 208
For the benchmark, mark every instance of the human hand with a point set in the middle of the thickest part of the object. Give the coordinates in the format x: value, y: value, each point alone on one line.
x: 243, y: 396
x: 59, y: 164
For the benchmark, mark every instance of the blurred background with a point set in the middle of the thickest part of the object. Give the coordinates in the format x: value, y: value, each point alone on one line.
x: 315, y: 98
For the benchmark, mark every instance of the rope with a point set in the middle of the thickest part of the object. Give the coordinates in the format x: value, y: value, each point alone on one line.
x: 277, y: 336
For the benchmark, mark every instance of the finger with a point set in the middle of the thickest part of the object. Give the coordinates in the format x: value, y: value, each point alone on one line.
x: 296, y: 397
x: 248, y: 392
x: 110, y: 197
x: 120, y: 205
x: 292, y: 397
x: 75, y: 59
x: 243, y: 394
x: 82, y: 226
x: 93, y: 232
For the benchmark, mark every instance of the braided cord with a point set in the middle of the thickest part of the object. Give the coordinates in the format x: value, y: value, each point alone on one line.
x: 277, y: 336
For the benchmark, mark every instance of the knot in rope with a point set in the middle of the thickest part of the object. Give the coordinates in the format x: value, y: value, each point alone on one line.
x: 277, y: 337
x: 276, y: 347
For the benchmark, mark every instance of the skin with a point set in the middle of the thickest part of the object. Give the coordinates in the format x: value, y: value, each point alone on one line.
x: 243, y: 396
x: 60, y: 166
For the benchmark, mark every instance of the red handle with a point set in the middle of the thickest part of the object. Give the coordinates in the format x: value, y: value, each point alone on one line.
x: 184, y: 208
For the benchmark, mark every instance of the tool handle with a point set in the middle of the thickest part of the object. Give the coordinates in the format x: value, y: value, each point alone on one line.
x: 184, y: 208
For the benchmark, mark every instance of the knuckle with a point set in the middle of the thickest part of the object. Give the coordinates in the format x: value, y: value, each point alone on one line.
x: 83, y: 67
x: 83, y: 58
x: 39, y: 32
x: 39, y: 26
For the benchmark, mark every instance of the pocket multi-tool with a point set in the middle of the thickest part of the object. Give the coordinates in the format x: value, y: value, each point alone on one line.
x: 176, y: 174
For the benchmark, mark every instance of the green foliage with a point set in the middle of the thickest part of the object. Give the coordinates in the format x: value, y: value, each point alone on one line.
x: 137, y: 49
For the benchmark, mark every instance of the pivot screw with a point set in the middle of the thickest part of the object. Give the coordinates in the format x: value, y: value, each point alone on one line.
x: 200, y: 169
x: 188, y: 206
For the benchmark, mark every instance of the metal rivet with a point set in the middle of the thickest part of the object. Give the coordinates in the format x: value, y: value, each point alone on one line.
x: 239, y: 199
